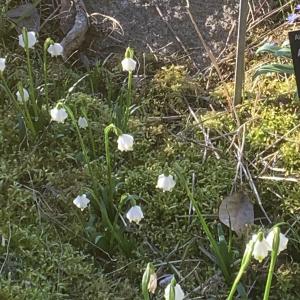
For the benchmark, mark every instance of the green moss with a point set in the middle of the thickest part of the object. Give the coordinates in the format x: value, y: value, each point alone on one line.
x: 290, y: 151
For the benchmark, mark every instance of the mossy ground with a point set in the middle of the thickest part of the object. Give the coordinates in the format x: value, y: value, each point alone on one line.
x: 46, y: 252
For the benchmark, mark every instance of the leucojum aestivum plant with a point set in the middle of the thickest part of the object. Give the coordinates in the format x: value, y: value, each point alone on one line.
x: 101, y: 198
x: 32, y: 105
x: 258, y: 247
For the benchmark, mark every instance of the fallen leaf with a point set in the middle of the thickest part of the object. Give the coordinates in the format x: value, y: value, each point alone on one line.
x: 236, y: 211
x: 26, y: 16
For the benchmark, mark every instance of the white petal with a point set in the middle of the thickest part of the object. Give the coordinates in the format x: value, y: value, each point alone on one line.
x: 55, y: 50
x: 82, y: 122
x: 125, y: 142
x: 2, y: 64
x: 282, y: 242
x: 179, y: 294
x: 32, y: 40
x: 128, y: 64
x: 166, y: 183
x: 58, y: 114
x: 25, y: 95
x: 261, y: 250
x: 81, y: 201
x: 135, y: 214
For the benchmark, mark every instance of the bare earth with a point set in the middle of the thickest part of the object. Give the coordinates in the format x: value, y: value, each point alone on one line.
x: 163, y: 27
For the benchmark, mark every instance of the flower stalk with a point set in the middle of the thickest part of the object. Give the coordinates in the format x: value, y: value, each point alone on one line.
x: 205, y: 227
x: 30, y: 74
x: 244, y: 265
x: 275, y: 248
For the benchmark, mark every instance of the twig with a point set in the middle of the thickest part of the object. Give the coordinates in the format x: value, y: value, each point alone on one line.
x: 276, y: 178
x: 206, y: 136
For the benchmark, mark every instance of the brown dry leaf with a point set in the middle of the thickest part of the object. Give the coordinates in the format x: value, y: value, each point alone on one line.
x: 26, y: 16
x: 236, y: 211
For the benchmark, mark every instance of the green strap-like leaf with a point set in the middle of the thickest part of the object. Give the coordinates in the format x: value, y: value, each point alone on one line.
x: 274, y: 68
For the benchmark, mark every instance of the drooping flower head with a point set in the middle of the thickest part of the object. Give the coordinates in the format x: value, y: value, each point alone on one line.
x: 128, y: 64
x: 31, y: 36
x: 261, y: 247
x: 58, y: 114
x: 297, y: 8
x: 178, y: 292
x: 81, y: 201
x: 166, y: 183
x: 283, y: 240
x: 2, y: 64
x: 82, y: 122
x: 135, y: 214
x: 125, y: 142
x: 55, y: 49
x: 24, y: 96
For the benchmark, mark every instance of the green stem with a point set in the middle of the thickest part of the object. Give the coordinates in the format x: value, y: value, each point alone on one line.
x: 108, y: 159
x: 31, y: 83
x: 205, y: 227
x: 274, y: 254
x: 244, y: 265
x: 83, y: 148
x: 91, y: 137
x: 128, y: 100
x: 46, y: 75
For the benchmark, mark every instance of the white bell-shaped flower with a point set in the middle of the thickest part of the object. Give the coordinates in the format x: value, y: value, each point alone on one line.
x: 2, y: 64
x: 81, y: 201
x: 58, y: 114
x: 128, y: 64
x: 135, y: 214
x: 23, y: 97
x: 55, y: 50
x: 179, y: 294
x: 82, y: 122
x: 261, y: 248
x: 125, y: 142
x: 166, y: 183
x: 32, y: 40
x: 283, y: 240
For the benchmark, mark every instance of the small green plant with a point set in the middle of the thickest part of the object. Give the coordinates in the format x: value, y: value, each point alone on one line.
x: 283, y: 51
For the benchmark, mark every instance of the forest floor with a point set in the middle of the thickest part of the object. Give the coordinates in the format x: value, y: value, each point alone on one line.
x: 52, y: 250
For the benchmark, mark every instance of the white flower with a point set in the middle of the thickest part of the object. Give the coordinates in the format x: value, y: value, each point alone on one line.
x: 128, y: 64
x: 58, y: 114
x: 56, y: 49
x: 261, y: 248
x: 82, y: 122
x: 135, y: 214
x: 125, y: 142
x: 179, y: 294
x: 166, y: 183
x: 283, y: 240
x: 81, y: 201
x: 152, y: 284
x: 32, y: 40
x: 2, y: 64
x: 23, y: 97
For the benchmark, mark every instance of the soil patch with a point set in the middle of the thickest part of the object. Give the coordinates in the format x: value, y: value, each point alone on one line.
x: 163, y: 27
